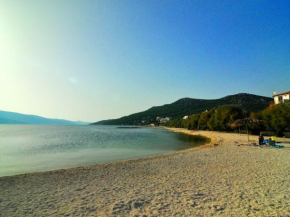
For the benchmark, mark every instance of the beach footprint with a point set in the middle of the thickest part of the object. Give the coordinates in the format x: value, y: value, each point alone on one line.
x: 140, y: 202
x: 123, y: 207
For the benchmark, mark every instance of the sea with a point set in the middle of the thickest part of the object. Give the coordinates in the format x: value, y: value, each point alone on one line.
x: 38, y: 148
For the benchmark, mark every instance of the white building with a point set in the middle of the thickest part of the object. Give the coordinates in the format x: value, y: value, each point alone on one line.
x: 282, y: 97
x: 164, y: 120
x: 185, y: 117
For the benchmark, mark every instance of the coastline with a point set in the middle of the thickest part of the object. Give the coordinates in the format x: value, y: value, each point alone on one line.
x: 206, y: 180
x: 194, y: 133
x: 174, y: 130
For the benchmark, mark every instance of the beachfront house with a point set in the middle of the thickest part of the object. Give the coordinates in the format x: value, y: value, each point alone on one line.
x: 281, y: 97
x: 164, y: 120
x: 187, y: 117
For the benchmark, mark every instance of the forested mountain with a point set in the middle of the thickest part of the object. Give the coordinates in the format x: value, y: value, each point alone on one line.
x: 186, y: 106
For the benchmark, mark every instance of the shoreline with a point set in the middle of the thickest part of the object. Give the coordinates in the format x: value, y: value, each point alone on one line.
x: 223, y: 180
x: 119, y: 161
x: 193, y: 133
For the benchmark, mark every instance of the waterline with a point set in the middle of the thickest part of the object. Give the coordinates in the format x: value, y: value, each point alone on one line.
x: 27, y: 148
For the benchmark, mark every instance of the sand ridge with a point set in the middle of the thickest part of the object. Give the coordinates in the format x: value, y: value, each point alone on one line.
x: 223, y: 180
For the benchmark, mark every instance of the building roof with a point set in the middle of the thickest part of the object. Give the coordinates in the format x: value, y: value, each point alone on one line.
x: 282, y: 93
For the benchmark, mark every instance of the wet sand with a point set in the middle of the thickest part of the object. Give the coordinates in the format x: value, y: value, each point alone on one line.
x: 212, y: 180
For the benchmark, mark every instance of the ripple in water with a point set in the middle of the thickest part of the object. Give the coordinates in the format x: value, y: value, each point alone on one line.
x: 31, y: 148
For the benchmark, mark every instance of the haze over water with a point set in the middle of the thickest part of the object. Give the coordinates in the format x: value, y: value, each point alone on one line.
x: 26, y: 148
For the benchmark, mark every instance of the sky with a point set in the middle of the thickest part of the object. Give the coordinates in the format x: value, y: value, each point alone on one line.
x: 93, y: 60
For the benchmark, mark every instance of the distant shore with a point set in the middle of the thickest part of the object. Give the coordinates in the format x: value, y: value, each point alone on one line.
x: 222, y: 178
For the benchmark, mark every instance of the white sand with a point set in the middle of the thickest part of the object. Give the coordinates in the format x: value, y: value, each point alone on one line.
x: 227, y: 180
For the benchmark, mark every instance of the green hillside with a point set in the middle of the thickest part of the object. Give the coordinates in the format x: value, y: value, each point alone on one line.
x: 187, y: 106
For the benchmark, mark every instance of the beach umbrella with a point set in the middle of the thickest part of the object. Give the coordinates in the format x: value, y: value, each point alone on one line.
x: 246, y: 122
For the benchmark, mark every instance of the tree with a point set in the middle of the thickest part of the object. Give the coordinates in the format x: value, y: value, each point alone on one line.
x: 194, y: 121
x: 211, y: 122
x: 204, y: 119
x: 277, y: 118
x: 225, y: 115
x: 189, y: 127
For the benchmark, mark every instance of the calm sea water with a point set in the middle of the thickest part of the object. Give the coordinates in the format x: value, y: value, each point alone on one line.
x: 31, y: 148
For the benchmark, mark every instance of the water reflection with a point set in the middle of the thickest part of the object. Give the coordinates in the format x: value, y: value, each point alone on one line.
x: 27, y: 148
x: 195, y: 140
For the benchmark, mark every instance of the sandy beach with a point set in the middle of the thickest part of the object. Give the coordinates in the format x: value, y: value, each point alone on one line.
x: 224, y: 180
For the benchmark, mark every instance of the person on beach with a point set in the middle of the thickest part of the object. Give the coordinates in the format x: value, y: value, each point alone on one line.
x: 261, y: 140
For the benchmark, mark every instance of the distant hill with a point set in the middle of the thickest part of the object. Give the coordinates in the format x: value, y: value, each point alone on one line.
x: 17, y: 118
x: 187, y: 106
x: 101, y: 122
x: 8, y: 121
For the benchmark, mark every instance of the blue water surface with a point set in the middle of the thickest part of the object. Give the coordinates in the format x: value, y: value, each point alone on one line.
x: 35, y: 148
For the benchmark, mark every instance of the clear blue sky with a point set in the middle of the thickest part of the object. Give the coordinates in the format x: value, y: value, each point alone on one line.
x: 93, y: 60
